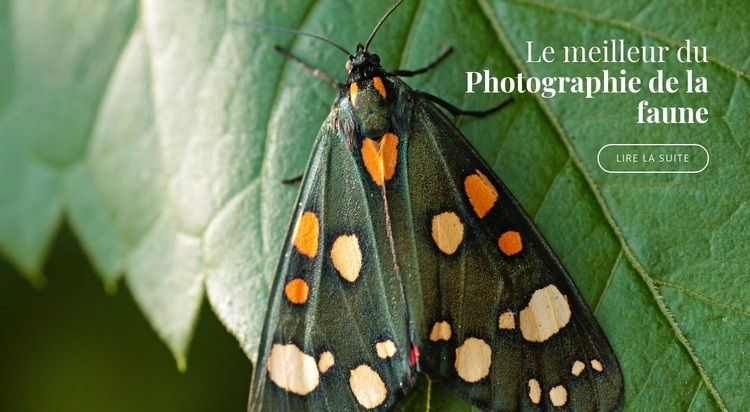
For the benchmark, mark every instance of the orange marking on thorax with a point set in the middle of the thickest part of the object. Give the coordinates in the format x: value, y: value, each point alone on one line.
x: 353, y: 89
x: 482, y: 194
x: 297, y: 291
x: 380, y: 158
x: 379, y: 86
x: 307, y: 234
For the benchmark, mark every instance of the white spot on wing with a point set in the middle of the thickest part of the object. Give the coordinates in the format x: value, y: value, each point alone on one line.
x: 367, y: 386
x: 385, y: 349
x: 292, y: 370
x: 440, y: 331
x: 535, y: 391
x: 547, y: 313
x: 507, y: 321
x: 347, y: 257
x: 325, y: 362
x: 447, y: 232
x: 473, y: 360
x: 558, y: 395
x: 578, y: 367
x: 596, y: 365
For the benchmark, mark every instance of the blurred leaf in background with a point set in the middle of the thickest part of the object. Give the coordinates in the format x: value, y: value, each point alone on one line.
x: 161, y: 131
x: 70, y: 347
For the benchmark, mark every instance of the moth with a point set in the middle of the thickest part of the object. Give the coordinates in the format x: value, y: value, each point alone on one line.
x: 407, y: 254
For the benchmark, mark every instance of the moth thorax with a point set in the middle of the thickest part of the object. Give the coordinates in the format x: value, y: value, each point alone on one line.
x: 368, y: 98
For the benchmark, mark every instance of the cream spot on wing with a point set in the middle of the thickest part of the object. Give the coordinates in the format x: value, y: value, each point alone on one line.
x: 325, y: 361
x: 473, y: 360
x: 558, y: 395
x: 596, y: 365
x: 547, y: 313
x: 578, y: 367
x: 507, y: 320
x: 347, y: 257
x: 447, y: 232
x: 535, y: 391
x: 482, y: 194
x: 367, y: 386
x: 292, y: 370
x: 385, y: 349
x: 441, y: 331
x: 306, y: 234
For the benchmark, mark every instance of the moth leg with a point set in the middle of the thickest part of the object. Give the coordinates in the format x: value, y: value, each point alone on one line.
x: 456, y: 111
x: 315, y: 71
x: 293, y: 180
x: 408, y: 73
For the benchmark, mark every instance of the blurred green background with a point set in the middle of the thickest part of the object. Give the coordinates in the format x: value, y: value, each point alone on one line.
x: 72, y: 347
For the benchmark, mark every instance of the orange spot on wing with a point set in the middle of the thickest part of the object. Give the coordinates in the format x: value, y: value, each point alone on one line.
x: 353, y: 88
x: 482, y: 194
x: 297, y: 291
x: 510, y: 243
x: 379, y: 86
x: 307, y: 233
x: 380, y: 158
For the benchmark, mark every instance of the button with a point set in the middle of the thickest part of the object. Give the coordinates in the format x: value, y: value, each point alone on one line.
x: 653, y: 158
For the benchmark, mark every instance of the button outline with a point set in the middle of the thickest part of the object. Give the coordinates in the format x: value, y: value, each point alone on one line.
x: 598, y: 157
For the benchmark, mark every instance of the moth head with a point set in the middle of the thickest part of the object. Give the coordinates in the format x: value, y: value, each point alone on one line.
x: 362, y: 58
x: 363, y: 65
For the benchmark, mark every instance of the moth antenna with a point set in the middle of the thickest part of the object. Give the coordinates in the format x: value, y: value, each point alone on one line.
x: 301, y: 33
x: 380, y: 23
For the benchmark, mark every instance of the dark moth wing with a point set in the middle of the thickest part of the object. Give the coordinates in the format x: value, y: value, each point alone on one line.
x: 334, y: 332
x: 499, y: 320
x: 406, y: 253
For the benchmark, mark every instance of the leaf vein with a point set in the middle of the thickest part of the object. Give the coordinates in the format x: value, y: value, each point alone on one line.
x: 628, y: 26
x: 565, y: 139
x: 701, y: 296
x: 611, y: 276
x: 558, y: 175
x: 695, y: 396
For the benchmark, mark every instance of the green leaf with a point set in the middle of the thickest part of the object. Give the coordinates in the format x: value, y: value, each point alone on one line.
x: 51, y: 90
x: 162, y: 132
